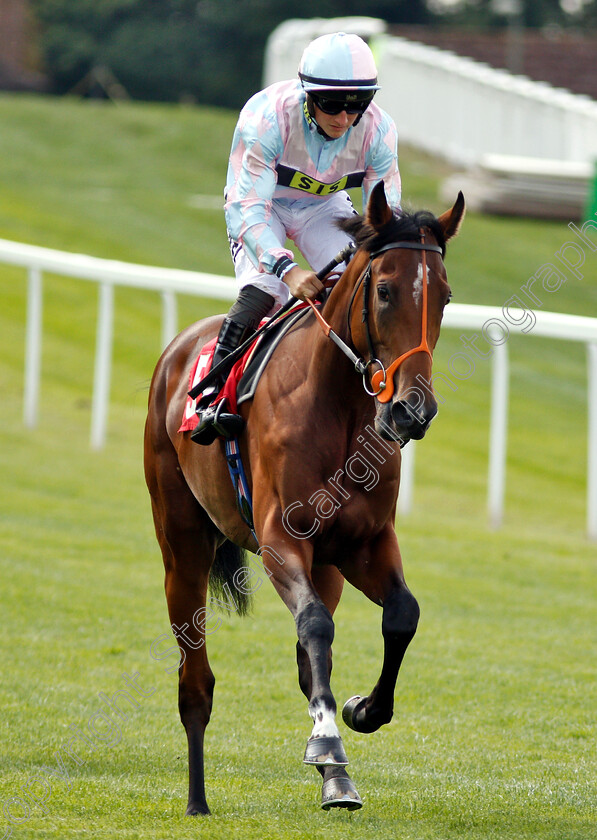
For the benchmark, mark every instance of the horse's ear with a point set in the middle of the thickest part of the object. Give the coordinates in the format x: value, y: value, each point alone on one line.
x: 378, y: 211
x: 452, y: 219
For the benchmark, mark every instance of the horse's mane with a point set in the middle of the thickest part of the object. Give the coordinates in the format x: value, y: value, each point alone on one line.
x: 402, y: 227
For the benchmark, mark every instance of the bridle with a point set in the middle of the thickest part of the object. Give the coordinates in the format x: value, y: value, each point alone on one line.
x: 382, y: 381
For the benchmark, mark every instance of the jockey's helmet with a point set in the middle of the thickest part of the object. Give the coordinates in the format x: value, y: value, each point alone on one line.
x: 338, y: 62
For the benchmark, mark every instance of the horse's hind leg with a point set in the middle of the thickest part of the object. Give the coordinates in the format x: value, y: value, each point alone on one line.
x: 186, y: 591
x: 188, y: 541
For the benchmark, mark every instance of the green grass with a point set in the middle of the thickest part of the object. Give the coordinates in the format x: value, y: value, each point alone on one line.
x: 494, y: 733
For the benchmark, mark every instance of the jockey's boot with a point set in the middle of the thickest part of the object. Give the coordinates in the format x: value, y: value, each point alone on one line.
x: 243, y: 319
x: 214, y: 420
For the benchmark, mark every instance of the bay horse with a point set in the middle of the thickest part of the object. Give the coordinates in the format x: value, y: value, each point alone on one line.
x: 321, y: 451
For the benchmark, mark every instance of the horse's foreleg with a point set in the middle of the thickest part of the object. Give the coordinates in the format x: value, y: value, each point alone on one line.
x: 312, y: 603
x: 328, y: 583
x: 338, y: 789
x: 399, y: 624
x: 315, y: 630
x: 289, y: 566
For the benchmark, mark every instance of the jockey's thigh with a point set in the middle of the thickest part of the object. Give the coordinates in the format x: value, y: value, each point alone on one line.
x: 315, y: 231
x: 311, y: 225
x: 248, y: 275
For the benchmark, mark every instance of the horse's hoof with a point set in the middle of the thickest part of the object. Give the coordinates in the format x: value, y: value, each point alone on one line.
x: 351, y: 709
x: 324, y: 751
x: 197, y: 810
x: 340, y: 793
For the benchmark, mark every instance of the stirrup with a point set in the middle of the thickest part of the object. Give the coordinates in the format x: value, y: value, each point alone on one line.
x: 215, y: 422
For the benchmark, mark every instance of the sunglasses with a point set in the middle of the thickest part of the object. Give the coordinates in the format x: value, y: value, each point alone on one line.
x: 336, y: 106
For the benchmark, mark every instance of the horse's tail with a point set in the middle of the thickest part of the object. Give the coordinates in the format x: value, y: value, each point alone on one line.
x: 229, y: 560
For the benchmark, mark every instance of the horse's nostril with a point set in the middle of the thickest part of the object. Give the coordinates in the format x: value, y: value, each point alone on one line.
x: 409, y: 416
x: 403, y: 413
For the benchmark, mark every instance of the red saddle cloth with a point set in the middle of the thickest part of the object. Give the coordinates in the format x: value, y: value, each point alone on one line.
x: 200, y: 369
x: 203, y: 365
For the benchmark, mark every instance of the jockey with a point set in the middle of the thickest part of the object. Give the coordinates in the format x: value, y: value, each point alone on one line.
x: 298, y: 145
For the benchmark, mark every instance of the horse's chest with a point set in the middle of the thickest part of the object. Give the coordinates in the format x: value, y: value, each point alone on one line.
x: 364, y: 514
x: 345, y: 510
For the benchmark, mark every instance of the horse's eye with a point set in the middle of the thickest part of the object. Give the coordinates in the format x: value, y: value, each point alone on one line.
x: 449, y: 297
x: 383, y: 293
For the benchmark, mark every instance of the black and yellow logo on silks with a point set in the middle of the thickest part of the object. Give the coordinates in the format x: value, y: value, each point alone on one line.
x: 288, y: 177
x: 300, y: 181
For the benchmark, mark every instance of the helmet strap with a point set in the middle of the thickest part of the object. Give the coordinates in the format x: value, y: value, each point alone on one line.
x: 309, y: 112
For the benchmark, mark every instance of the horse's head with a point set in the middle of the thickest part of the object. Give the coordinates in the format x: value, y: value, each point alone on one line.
x: 400, y: 291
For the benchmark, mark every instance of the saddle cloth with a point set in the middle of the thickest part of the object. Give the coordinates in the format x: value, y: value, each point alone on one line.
x: 245, y: 373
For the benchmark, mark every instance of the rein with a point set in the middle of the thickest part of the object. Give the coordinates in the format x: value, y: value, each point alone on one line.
x: 382, y: 380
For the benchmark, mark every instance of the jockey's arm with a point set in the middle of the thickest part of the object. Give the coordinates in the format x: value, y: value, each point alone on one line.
x: 251, y: 183
x: 382, y: 164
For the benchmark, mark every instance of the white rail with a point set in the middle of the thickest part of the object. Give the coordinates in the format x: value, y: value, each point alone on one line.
x: 110, y: 273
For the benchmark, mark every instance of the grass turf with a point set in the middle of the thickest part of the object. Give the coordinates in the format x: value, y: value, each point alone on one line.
x: 494, y: 730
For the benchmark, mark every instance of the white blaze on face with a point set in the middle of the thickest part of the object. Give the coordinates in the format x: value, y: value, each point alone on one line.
x: 324, y: 722
x: 418, y: 284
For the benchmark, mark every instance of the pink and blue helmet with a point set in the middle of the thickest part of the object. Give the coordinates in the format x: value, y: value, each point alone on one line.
x: 338, y: 61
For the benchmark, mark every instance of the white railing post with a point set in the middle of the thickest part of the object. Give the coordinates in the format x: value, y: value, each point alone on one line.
x: 498, y: 435
x: 103, y: 364
x: 33, y: 340
x: 169, y: 318
x: 407, y: 479
x: 592, y: 443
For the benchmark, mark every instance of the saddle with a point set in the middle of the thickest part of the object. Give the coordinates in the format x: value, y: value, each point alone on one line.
x: 245, y: 374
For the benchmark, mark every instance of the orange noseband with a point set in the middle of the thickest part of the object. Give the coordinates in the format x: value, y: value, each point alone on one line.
x: 383, y: 380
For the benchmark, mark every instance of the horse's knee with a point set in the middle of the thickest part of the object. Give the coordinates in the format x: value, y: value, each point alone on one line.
x: 315, y: 622
x: 400, y: 615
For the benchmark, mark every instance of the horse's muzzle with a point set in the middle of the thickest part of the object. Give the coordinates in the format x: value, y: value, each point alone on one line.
x: 411, y: 419
x: 405, y: 419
